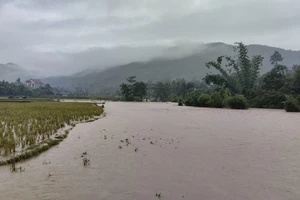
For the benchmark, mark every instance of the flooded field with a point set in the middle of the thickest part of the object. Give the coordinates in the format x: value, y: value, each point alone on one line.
x: 159, y: 150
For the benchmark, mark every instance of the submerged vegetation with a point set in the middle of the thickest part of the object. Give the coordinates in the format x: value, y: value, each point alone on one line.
x: 237, y: 84
x: 31, y: 128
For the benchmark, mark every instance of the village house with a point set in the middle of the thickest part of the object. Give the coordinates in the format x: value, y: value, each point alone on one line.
x: 34, y: 83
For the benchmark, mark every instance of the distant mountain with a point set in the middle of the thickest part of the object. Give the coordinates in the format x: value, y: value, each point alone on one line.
x: 11, y: 71
x: 189, y: 66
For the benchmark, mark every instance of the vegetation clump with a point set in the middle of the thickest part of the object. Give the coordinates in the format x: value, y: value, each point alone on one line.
x: 237, y: 102
x: 204, y: 100
x: 216, y: 100
x: 28, y: 129
x: 292, y: 105
x: 180, y: 103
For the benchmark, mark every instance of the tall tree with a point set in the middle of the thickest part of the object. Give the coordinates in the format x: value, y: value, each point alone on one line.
x: 133, y: 90
x: 139, y: 90
x: 296, y: 79
x: 238, y: 75
x: 274, y: 79
x: 276, y: 58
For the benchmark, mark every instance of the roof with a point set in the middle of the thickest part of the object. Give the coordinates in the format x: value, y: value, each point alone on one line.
x: 37, y: 81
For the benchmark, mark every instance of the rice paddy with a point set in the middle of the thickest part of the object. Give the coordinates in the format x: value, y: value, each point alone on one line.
x: 26, y: 126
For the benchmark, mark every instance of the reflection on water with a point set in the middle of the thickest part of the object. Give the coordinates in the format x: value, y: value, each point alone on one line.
x: 180, y: 152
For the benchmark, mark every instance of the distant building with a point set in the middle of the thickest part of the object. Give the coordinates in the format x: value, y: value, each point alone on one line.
x: 59, y: 93
x: 34, y: 83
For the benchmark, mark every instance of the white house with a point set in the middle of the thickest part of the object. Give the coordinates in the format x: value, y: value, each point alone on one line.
x: 34, y: 83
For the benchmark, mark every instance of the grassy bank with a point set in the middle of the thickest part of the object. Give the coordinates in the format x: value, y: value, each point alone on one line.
x: 29, y: 129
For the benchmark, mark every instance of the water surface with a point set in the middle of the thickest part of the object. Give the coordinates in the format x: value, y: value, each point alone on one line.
x: 197, y: 153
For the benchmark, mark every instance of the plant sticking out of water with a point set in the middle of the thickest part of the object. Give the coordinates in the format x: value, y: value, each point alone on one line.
x: 45, y: 162
x: 136, y: 149
x: 86, y: 161
x: 158, y: 195
x: 13, y: 168
x: 83, y: 154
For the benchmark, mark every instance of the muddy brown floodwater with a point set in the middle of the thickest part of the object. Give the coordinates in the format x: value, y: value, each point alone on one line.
x: 181, y: 152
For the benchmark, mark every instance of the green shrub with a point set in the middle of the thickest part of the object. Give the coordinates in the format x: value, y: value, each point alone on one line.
x: 269, y: 99
x: 298, y: 98
x: 217, y: 101
x: 180, y: 102
x: 237, y: 102
x: 291, y: 105
x: 225, y: 103
x: 191, y: 98
x: 204, y: 100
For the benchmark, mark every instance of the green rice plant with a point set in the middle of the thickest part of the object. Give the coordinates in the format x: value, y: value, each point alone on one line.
x: 23, y: 126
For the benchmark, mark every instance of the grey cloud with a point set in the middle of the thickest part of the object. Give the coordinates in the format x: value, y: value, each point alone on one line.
x: 65, y: 36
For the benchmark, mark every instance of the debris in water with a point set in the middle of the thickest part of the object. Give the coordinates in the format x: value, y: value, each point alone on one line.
x: 158, y: 195
x: 86, y: 161
x: 84, y: 154
x: 136, y: 149
x: 46, y: 162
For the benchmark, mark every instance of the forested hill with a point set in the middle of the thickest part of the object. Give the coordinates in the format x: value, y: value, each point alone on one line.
x: 188, y: 67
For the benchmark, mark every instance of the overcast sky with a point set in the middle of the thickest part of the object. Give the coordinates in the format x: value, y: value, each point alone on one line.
x: 64, y: 36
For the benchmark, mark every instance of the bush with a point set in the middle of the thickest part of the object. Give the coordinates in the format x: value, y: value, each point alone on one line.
x: 191, y: 98
x: 291, y: 105
x: 298, y: 98
x: 237, y: 102
x: 180, y: 102
x: 204, y: 100
x: 269, y: 99
x: 217, y: 101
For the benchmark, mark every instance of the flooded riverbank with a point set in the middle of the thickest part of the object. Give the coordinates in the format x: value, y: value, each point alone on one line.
x: 180, y: 152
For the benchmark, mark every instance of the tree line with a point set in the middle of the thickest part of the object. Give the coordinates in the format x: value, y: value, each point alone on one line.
x: 238, y: 84
x: 18, y: 89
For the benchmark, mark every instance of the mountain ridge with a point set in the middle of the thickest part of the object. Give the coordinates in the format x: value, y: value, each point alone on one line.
x: 170, y: 65
x: 164, y: 68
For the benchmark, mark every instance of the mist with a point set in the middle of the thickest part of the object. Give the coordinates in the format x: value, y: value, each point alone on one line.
x: 64, y: 37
